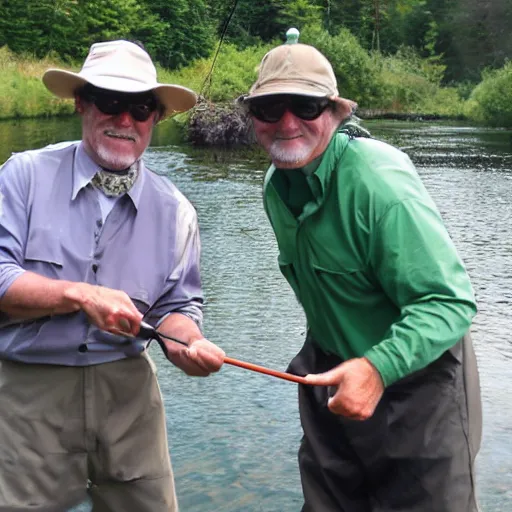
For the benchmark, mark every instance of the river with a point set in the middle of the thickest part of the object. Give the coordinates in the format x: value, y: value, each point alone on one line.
x: 234, y: 436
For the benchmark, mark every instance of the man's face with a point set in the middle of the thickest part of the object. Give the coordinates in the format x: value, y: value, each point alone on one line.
x: 114, y: 141
x: 292, y: 141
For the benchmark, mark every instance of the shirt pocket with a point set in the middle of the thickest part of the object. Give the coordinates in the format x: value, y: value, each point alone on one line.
x: 346, y: 284
x: 43, y: 252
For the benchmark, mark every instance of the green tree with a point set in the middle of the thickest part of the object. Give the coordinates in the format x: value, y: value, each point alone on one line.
x: 480, y: 37
x: 187, y: 32
x: 69, y: 27
x: 265, y: 20
x: 37, y: 26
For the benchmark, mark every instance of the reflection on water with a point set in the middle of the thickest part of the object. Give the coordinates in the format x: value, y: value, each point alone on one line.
x: 234, y: 437
x: 20, y: 134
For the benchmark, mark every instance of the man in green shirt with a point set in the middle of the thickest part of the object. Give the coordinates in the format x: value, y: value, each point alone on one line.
x: 392, y: 418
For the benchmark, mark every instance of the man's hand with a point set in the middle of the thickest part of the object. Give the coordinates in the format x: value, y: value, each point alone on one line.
x: 359, y: 388
x: 110, y: 310
x: 201, y: 358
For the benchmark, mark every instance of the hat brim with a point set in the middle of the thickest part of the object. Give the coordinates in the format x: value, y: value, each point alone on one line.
x: 174, y: 98
x: 344, y: 107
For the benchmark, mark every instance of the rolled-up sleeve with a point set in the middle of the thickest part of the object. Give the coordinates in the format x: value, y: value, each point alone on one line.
x: 420, y: 270
x: 13, y: 221
x: 182, y: 291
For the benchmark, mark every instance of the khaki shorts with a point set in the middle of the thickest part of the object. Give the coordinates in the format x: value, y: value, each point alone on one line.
x: 69, y: 432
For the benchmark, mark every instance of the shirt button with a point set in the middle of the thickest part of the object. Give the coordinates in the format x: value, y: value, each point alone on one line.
x: 82, y: 348
x: 99, y: 223
x: 95, y: 267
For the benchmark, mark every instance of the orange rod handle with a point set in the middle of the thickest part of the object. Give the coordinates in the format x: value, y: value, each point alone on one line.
x: 266, y: 371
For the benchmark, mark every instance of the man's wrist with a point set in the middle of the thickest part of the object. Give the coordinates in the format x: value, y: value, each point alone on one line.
x: 374, y: 370
x: 74, y: 294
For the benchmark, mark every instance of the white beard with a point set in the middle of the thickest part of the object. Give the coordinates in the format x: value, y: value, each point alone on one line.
x: 279, y: 154
x: 115, y: 160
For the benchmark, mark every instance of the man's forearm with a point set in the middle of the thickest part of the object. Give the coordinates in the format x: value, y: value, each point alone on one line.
x: 420, y: 336
x: 181, y: 327
x: 33, y: 296
x: 201, y: 358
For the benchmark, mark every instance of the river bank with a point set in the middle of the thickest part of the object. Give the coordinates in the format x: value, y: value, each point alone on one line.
x: 228, y: 125
x: 403, y: 87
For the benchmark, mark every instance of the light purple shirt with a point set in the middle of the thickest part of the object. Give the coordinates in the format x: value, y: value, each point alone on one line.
x: 51, y: 224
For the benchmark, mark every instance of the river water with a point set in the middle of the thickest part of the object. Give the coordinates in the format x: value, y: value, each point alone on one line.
x: 234, y: 436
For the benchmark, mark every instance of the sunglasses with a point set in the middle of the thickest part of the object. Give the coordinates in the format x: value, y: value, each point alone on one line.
x: 271, y: 109
x: 139, y: 106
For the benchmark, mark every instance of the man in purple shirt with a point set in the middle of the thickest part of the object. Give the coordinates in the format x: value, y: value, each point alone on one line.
x: 91, y: 244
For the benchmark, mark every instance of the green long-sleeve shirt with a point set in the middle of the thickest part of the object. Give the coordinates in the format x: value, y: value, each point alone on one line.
x: 369, y: 257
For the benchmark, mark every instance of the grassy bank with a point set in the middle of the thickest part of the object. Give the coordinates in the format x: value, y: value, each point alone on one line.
x: 402, y: 83
x: 22, y: 94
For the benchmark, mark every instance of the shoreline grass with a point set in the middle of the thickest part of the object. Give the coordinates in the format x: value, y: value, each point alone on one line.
x: 402, y: 86
x: 22, y: 93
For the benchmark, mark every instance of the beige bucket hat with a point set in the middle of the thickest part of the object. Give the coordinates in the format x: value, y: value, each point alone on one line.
x: 295, y: 68
x: 120, y: 66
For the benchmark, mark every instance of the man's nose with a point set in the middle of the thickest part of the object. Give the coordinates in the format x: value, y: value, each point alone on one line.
x: 124, y: 119
x: 289, y: 121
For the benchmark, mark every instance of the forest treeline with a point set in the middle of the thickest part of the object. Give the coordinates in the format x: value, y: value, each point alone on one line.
x: 443, y: 56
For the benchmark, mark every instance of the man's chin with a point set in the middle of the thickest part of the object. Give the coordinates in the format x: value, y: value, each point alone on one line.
x: 110, y: 160
x: 290, y: 162
x: 290, y: 159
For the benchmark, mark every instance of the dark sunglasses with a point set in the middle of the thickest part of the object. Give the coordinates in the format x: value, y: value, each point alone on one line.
x: 272, y: 108
x: 139, y: 105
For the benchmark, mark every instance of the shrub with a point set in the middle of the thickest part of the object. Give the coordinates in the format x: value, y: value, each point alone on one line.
x: 409, y: 83
x: 355, y: 70
x: 233, y: 74
x: 490, y: 102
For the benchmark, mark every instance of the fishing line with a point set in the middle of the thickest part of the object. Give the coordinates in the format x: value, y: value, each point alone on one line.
x: 148, y: 332
x: 205, y: 90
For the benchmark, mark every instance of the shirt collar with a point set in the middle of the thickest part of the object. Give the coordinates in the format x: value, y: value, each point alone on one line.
x: 324, y: 163
x: 84, y: 169
x: 330, y: 156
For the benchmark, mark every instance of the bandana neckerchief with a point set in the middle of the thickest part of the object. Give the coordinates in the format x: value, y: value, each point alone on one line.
x: 115, y: 183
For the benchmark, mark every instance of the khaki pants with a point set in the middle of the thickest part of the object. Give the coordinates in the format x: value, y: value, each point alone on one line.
x: 69, y: 431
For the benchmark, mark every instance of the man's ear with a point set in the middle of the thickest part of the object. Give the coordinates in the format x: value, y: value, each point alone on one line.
x: 79, y: 105
x: 344, y: 108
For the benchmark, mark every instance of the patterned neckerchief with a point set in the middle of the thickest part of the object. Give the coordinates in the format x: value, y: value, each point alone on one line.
x: 115, y: 183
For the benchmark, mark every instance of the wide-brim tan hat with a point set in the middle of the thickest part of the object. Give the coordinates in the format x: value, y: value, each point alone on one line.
x: 124, y: 67
x: 298, y: 69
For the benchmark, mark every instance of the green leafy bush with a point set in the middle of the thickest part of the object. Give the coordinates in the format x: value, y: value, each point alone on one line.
x: 409, y: 83
x: 490, y: 102
x: 233, y: 74
x: 355, y: 70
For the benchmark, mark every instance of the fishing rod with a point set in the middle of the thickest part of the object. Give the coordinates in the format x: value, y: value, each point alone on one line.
x: 148, y: 332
